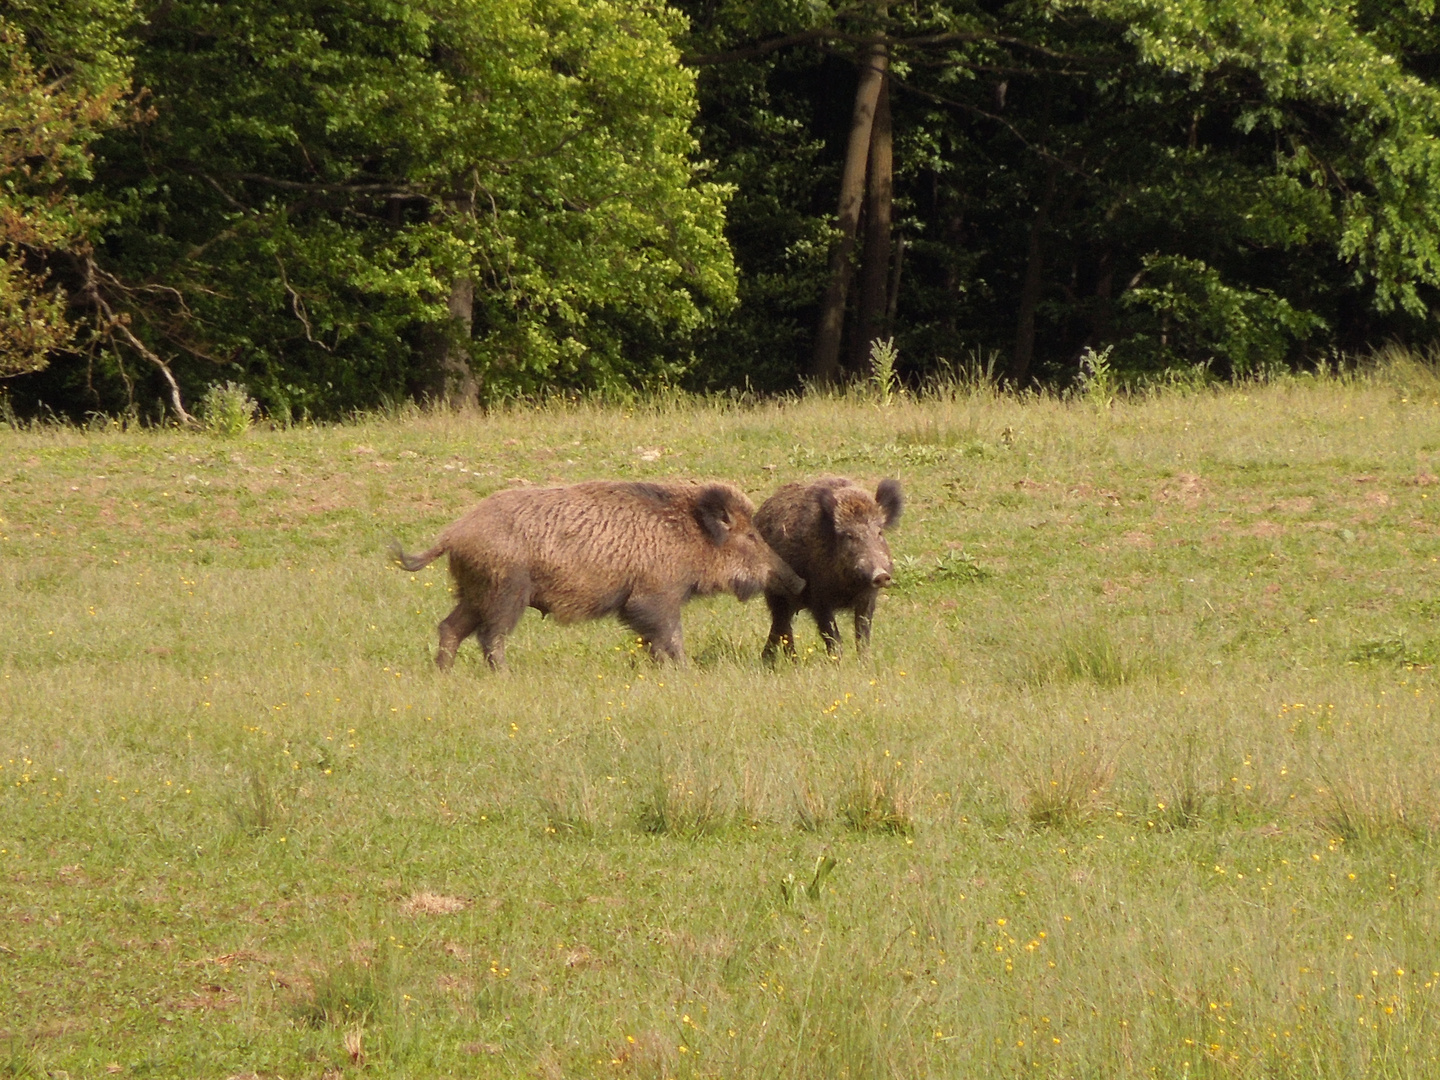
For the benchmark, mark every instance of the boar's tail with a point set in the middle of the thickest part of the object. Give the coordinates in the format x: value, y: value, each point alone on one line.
x: 416, y: 562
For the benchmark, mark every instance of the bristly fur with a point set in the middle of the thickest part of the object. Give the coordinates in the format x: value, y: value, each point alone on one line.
x: 636, y: 550
x: 831, y: 532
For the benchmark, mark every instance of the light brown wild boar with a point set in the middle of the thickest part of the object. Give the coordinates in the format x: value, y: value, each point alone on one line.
x: 636, y: 550
x: 832, y: 533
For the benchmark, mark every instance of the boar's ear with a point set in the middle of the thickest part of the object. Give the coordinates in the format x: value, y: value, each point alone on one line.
x: 712, y: 511
x: 891, y: 501
x: 825, y: 497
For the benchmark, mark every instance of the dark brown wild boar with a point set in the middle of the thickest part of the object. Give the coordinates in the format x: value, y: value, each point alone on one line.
x: 636, y: 550
x: 832, y: 533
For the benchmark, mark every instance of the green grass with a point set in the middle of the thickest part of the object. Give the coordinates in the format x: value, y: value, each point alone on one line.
x: 1140, y: 779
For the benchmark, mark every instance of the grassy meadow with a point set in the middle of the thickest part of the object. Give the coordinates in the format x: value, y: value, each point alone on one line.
x: 1141, y: 778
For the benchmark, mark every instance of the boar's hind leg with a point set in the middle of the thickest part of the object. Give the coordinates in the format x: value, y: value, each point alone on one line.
x: 657, y: 620
x: 782, y: 627
x: 454, y: 629
x: 504, y: 604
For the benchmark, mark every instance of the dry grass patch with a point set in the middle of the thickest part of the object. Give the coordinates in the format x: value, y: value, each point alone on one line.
x: 646, y: 1056
x: 429, y: 903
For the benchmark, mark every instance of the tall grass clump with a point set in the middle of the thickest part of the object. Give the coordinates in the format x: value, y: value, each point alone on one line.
x: 227, y: 410
x: 1409, y: 372
x: 1188, y: 799
x: 686, y: 803
x: 974, y: 376
x: 1070, y: 791
x: 1360, y: 809
x: 1090, y: 654
x: 568, y: 806
x: 260, y: 802
x: 812, y: 809
x: 883, y: 376
x: 352, y: 993
x: 881, y: 798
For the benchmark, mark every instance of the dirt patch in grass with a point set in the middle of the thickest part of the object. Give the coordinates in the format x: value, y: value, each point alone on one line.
x: 428, y: 903
x: 1186, y: 489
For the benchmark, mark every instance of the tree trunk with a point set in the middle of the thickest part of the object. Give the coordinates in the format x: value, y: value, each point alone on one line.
x: 875, y: 256
x: 1104, y: 307
x: 1020, y: 360
x: 461, y: 388
x: 952, y: 236
x: 1103, y: 318
x: 825, y: 360
x: 455, y: 383
x: 892, y: 301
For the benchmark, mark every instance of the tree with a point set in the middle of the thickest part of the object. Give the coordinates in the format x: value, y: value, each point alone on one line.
x: 825, y: 364
x: 872, y: 314
x: 341, y: 203
x: 1220, y: 183
x: 63, y: 81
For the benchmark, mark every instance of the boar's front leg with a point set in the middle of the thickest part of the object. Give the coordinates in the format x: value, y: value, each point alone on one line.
x: 454, y: 629
x: 782, y: 627
x: 656, y: 618
x: 864, y: 616
x: 829, y: 632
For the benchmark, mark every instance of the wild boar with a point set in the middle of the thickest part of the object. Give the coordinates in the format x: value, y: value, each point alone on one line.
x: 831, y: 533
x: 636, y: 550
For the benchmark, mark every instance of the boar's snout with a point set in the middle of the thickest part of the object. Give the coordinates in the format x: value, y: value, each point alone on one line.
x: 786, y: 580
x: 880, y: 578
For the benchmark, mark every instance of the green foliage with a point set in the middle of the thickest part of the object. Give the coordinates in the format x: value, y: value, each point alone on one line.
x: 337, y: 205
x: 951, y: 567
x: 316, y: 179
x: 1238, y: 184
x: 63, y: 78
x: 1184, y: 314
x: 1378, y: 156
x: 883, y: 355
x: 1097, y: 376
x: 1396, y: 648
x: 793, y: 889
x: 227, y: 410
